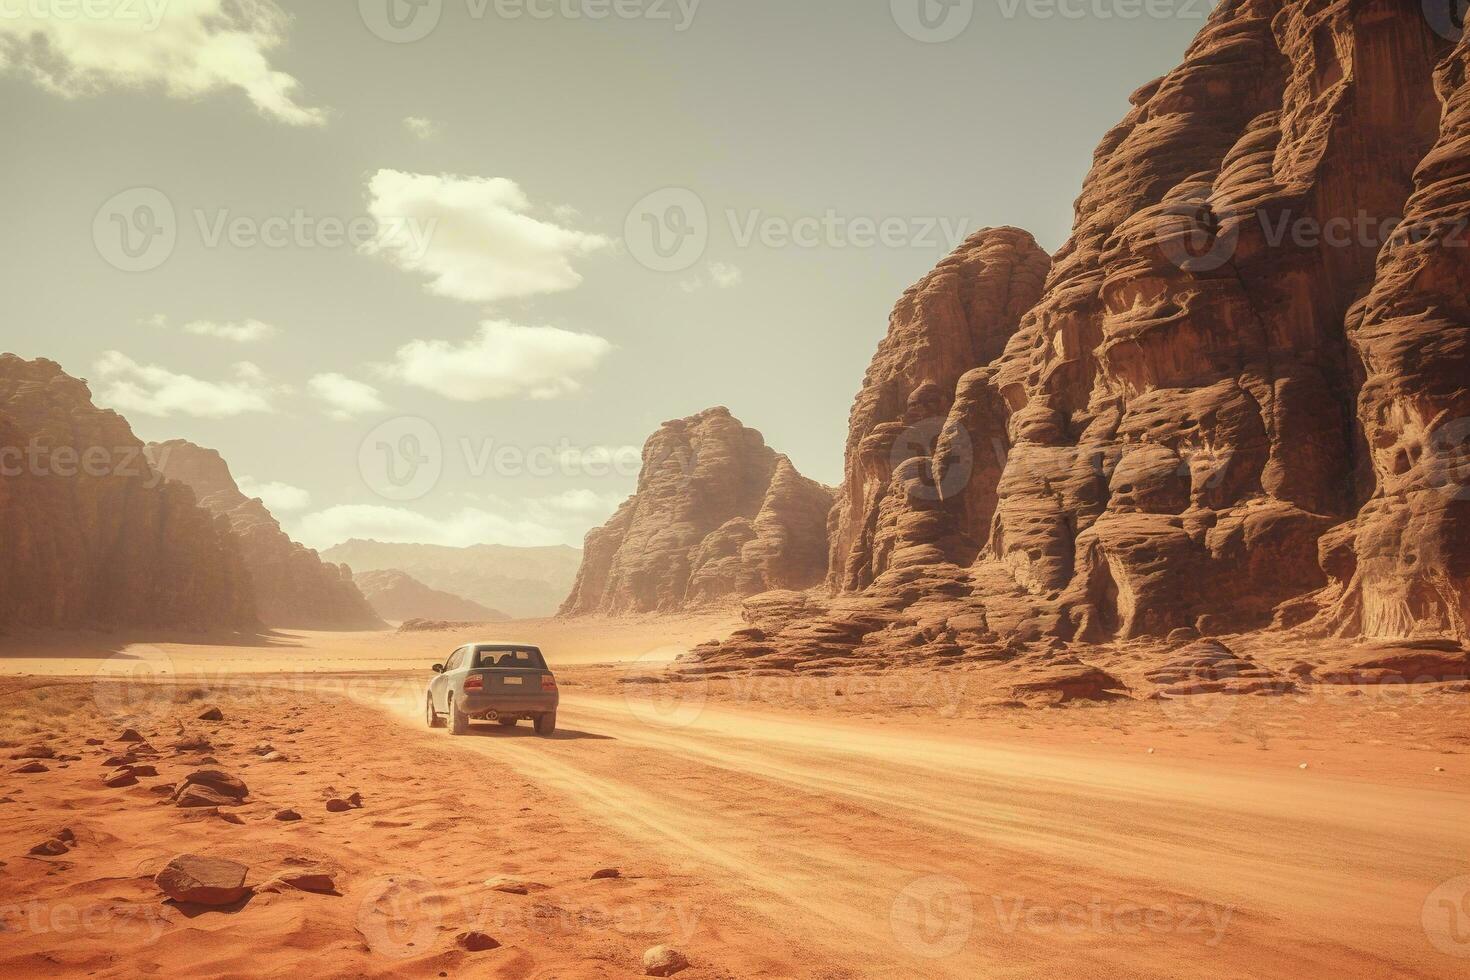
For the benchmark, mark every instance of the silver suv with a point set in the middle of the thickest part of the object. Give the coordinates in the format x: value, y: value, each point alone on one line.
x: 501, y: 682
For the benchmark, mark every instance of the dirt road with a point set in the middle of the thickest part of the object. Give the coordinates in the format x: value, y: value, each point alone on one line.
x: 892, y: 851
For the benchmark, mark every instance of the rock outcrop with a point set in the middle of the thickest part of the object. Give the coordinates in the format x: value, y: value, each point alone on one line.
x: 399, y: 597
x: 523, y: 583
x: 718, y: 515
x: 90, y: 535
x: 293, y: 587
x: 1238, y: 401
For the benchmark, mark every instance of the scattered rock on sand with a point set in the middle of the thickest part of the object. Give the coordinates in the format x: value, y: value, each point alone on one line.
x: 212, y: 713
x: 476, y: 942
x: 50, y: 848
x: 119, y: 778
x: 130, y: 735
x: 606, y: 873
x: 338, y: 806
x: 287, y: 815
x: 274, y: 757
x: 31, y: 767
x: 317, y: 882
x: 203, y: 880
x: 210, y: 787
x: 663, y: 961
x: 37, y: 751
x: 95, y: 741
x: 193, y: 743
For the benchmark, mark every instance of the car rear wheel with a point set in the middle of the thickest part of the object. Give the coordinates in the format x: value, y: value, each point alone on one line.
x: 433, y: 717
x: 546, y: 724
x: 459, y: 722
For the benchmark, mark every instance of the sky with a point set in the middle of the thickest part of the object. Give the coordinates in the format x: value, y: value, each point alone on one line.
x: 433, y: 270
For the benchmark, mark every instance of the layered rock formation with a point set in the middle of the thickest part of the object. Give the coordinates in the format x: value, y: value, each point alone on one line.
x: 90, y: 535
x: 523, y: 583
x: 717, y: 515
x: 1237, y: 402
x: 399, y: 597
x: 292, y: 586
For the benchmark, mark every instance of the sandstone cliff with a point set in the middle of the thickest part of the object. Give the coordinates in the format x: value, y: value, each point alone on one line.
x: 1237, y: 402
x: 293, y: 587
x: 717, y: 515
x: 399, y: 597
x: 90, y: 535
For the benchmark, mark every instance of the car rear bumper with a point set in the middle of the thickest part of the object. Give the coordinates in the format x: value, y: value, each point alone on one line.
x: 477, y: 705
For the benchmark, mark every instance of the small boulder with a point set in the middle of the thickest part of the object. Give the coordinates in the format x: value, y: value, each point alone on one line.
x: 36, y: 751
x: 476, y: 942
x: 287, y: 815
x: 606, y: 873
x: 355, y: 800
x: 50, y: 848
x: 663, y: 961
x: 119, y: 778
x: 203, y: 880
x: 95, y: 741
x: 318, y: 882
x: 31, y: 767
x: 274, y: 757
x: 210, y: 787
x: 338, y: 806
x: 212, y: 713
x: 130, y: 735
x: 193, y: 743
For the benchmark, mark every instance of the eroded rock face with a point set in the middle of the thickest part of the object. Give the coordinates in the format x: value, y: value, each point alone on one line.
x: 293, y: 587
x: 90, y: 535
x: 891, y: 513
x: 718, y: 515
x: 1231, y: 407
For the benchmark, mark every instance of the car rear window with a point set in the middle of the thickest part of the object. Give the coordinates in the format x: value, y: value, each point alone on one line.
x: 492, y: 658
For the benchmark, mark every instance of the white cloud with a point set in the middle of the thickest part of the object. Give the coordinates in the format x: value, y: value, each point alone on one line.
x: 424, y: 129
x: 483, y: 246
x: 725, y: 276
x: 504, y: 360
x: 157, y: 321
x: 721, y: 274
x: 344, y: 397
x: 187, y: 48
x: 244, y: 332
x: 149, y: 389
x: 279, y: 498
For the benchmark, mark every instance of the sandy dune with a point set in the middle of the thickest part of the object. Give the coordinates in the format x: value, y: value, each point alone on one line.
x: 860, y: 829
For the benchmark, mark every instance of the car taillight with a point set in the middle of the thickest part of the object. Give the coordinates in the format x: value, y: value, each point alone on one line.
x: 474, y: 683
x: 548, y: 683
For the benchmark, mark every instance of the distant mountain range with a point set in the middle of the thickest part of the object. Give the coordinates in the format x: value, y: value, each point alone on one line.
x: 397, y: 596
x: 525, y: 583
